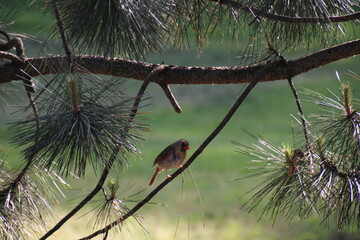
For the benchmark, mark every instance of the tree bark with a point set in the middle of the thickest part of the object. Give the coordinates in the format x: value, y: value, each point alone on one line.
x: 276, y: 70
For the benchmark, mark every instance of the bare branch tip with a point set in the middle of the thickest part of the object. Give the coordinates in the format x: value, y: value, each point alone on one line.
x: 171, y: 97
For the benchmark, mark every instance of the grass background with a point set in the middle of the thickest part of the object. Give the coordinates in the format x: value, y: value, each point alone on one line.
x: 176, y: 212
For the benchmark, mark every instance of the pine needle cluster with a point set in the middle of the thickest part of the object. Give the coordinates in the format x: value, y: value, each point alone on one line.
x: 112, y: 207
x: 324, y: 179
x: 115, y: 28
x: 83, y: 121
x: 25, y: 203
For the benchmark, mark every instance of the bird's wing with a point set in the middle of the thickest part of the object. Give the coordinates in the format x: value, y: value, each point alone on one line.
x: 166, y: 153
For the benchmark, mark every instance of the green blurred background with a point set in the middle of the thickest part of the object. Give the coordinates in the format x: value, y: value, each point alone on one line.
x: 176, y: 212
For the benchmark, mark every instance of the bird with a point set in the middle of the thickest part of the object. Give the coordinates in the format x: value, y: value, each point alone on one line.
x: 172, y: 156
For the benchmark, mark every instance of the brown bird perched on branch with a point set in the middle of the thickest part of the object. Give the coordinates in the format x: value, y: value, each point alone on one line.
x: 172, y: 156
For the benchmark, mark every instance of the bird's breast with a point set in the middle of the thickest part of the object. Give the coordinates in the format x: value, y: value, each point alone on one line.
x: 174, y: 160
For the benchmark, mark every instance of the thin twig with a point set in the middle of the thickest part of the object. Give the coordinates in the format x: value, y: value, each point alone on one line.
x: 63, y: 36
x: 106, y: 235
x: 26, y: 79
x: 12, y: 57
x: 90, y: 196
x: 108, y: 165
x: 19, y: 58
x: 16, y: 43
x: 185, y: 166
x: 28, y: 89
x: 303, y: 121
x: 171, y: 97
x: 6, y: 35
x: 293, y: 89
x: 19, y: 177
x: 12, y: 186
x: 143, y: 87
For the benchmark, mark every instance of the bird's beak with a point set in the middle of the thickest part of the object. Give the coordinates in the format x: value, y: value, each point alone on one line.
x: 186, y: 147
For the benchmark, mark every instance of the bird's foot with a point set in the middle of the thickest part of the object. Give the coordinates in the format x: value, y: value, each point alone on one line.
x: 180, y: 166
x: 168, y: 176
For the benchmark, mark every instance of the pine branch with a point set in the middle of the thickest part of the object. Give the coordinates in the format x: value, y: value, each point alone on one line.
x: 181, y: 74
x: 278, y: 55
x: 10, y: 190
x: 90, y: 196
x: 331, y: 167
x: 62, y: 34
x: 171, y: 98
x: 19, y: 58
x: 12, y: 186
x: 12, y: 57
x: 13, y: 43
x: 300, y: 109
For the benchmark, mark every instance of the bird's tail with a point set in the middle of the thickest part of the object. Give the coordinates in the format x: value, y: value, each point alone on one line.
x: 153, y: 178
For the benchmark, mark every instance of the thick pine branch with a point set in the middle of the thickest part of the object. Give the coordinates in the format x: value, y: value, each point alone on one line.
x: 276, y: 70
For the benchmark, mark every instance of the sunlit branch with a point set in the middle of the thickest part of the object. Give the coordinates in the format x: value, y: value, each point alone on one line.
x: 182, y: 74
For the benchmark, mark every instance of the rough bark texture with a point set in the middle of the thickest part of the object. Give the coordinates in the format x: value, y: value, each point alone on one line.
x: 276, y: 70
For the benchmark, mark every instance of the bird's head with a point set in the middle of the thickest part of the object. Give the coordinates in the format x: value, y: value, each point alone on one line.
x: 184, y: 144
